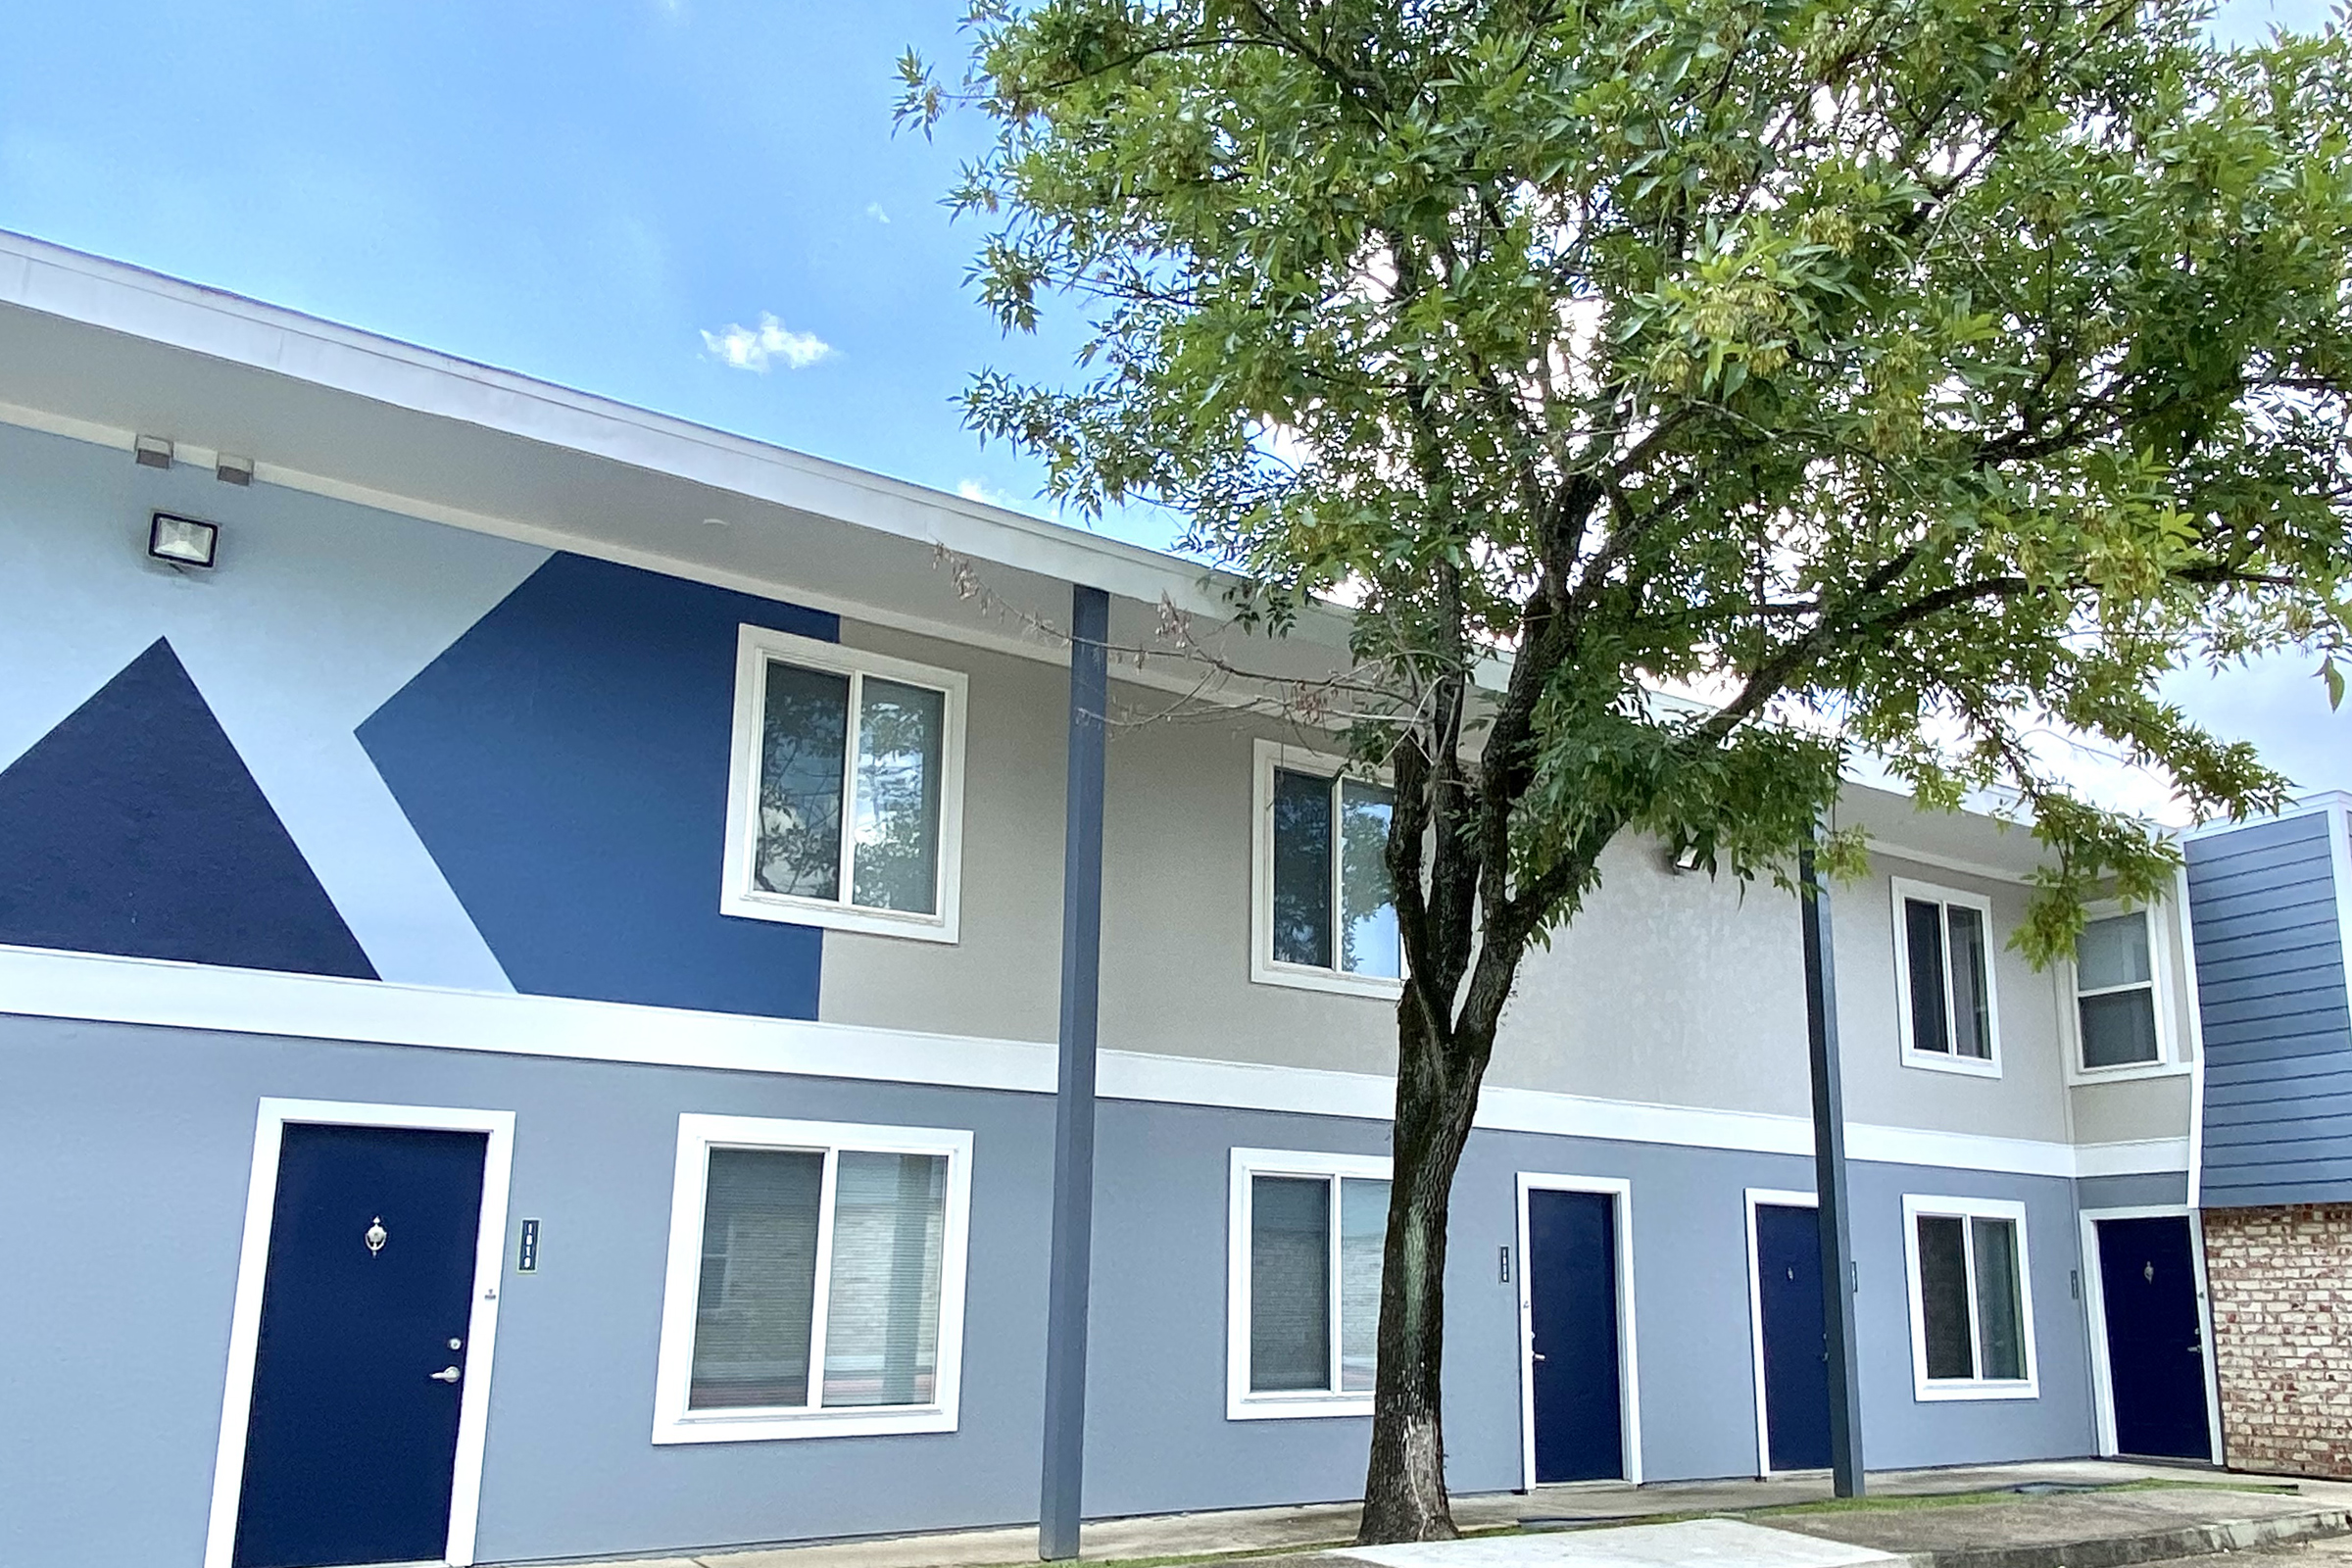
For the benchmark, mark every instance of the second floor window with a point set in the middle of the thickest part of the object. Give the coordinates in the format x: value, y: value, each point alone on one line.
x: 1326, y: 912
x: 1943, y: 961
x: 2115, y: 992
x: 847, y: 788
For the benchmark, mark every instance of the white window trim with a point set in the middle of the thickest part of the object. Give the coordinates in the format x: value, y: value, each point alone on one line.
x: 1267, y: 757
x: 253, y: 1265
x: 697, y: 1135
x: 1240, y: 1404
x: 1941, y: 1061
x: 2163, y: 996
x: 754, y: 645
x: 1917, y: 1204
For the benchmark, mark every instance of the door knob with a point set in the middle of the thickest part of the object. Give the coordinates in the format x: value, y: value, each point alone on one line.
x: 448, y: 1374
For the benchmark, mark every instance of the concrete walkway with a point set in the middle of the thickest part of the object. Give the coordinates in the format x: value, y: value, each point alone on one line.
x: 1556, y: 1516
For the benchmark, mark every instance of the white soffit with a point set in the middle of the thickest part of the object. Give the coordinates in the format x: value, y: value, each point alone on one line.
x: 102, y: 350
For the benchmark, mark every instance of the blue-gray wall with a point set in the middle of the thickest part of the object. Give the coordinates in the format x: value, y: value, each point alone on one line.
x: 2277, y: 1124
x: 125, y: 1153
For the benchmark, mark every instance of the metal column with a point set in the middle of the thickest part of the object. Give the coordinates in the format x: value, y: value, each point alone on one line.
x: 1057, y: 1508
x: 1838, y: 1281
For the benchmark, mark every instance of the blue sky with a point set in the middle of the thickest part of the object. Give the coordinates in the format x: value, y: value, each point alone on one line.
x: 597, y: 192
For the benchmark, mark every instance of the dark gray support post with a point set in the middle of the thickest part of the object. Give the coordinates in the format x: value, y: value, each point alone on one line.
x: 1838, y: 1281
x: 1066, y: 1278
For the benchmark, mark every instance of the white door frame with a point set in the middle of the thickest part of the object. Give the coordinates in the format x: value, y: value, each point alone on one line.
x: 1629, y: 1365
x: 2094, y: 1307
x: 1765, y: 1198
x: 253, y: 1264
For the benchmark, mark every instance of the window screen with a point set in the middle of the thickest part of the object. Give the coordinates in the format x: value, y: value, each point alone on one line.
x: 1302, y: 868
x: 806, y: 738
x: 1972, y: 1298
x: 753, y: 1313
x: 2116, y: 992
x: 2000, y: 1316
x: 756, y: 1315
x: 1290, y: 1283
x: 1922, y: 931
x: 895, y: 861
x: 1363, y: 1235
x: 803, y: 734
x: 882, y: 1317
x: 1971, y: 1022
x: 1943, y: 1297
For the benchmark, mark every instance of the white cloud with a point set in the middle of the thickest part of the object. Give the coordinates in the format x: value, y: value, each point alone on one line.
x: 974, y: 490
x: 874, y: 209
x: 756, y: 348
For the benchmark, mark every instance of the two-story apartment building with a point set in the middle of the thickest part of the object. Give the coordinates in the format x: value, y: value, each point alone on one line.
x: 530, y: 954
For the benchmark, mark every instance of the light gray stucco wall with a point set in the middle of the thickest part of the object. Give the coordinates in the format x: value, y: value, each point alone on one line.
x: 1669, y: 989
x: 2026, y: 1101
x: 125, y: 1152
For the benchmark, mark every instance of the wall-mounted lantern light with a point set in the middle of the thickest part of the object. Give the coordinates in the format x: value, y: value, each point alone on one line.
x: 182, y: 541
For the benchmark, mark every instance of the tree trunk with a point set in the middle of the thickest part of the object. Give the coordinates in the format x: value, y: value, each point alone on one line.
x: 1405, y: 1483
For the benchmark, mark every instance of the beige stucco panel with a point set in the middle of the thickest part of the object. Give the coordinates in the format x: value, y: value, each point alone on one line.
x: 2133, y: 1109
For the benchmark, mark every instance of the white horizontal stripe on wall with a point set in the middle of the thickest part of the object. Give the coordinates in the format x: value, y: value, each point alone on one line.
x: 43, y: 983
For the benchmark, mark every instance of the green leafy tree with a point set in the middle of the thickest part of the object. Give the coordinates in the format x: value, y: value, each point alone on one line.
x: 1918, y: 377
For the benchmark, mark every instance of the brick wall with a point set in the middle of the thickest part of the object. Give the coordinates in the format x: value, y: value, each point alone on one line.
x: 2281, y: 1291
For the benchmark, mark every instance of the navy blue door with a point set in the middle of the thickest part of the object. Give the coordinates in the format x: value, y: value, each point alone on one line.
x: 1797, y: 1352
x: 1572, y: 1307
x: 352, y: 1437
x: 2155, y: 1344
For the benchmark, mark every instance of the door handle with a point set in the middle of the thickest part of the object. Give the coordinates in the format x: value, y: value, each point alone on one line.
x: 448, y: 1374
x: 1536, y: 1355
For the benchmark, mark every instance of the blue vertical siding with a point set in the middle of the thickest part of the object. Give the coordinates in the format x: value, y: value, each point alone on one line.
x: 2278, y: 1031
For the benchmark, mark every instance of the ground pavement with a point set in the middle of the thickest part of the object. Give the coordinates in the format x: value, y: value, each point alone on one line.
x: 2066, y: 1514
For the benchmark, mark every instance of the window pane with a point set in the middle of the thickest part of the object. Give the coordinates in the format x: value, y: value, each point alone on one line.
x: 1943, y: 1297
x: 1302, y: 868
x: 890, y: 1220
x: 758, y: 1286
x: 1363, y: 1231
x: 1971, y: 1013
x: 1290, y: 1283
x: 2119, y: 1027
x: 2113, y: 951
x: 1368, y: 942
x: 894, y: 863
x: 2001, y: 1318
x: 803, y: 731
x: 1923, y: 930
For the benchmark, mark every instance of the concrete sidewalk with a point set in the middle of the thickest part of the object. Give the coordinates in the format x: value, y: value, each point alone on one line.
x: 2061, y: 1526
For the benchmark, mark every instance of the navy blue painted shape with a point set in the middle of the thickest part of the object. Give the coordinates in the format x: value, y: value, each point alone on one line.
x: 566, y: 764
x: 352, y: 1440
x: 1796, y: 1356
x: 2155, y: 1344
x: 133, y: 827
x: 1572, y: 1307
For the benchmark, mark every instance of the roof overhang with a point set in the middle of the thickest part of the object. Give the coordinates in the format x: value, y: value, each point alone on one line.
x: 106, y: 352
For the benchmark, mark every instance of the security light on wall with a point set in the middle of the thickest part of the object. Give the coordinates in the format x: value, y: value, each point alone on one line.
x: 182, y: 541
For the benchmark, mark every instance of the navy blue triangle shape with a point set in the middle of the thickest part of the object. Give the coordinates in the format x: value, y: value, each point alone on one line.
x: 133, y: 827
